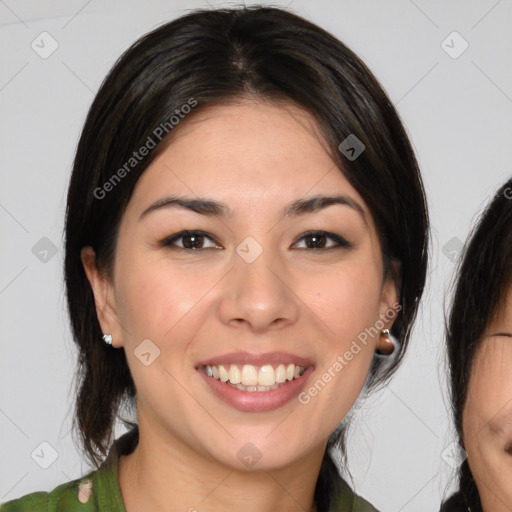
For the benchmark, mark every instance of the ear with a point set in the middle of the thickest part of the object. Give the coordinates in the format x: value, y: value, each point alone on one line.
x: 104, y: 298
x: 389, y: 306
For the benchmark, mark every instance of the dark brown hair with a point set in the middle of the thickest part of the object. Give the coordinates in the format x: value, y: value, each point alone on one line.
x: 217, y: 56
x: 484, y: 276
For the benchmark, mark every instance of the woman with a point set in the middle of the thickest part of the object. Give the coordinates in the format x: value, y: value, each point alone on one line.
x: 480, y: 358
x: 246, y: 224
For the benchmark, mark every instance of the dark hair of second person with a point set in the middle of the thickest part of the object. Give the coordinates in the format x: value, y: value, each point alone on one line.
x: 479, y: 331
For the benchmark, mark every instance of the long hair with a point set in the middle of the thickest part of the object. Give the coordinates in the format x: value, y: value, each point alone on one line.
x: 210, y: 57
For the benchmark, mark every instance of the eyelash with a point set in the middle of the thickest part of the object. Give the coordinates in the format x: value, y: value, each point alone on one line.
x: 168, y: 242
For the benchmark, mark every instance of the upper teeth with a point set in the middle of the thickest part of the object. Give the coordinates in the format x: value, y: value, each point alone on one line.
x: 251, y: 375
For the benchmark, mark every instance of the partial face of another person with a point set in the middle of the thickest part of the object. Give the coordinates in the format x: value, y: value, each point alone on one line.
x: 255, y: 291
x: 487, y: 418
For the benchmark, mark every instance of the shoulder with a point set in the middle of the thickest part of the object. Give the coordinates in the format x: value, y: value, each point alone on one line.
x: 361, y: 505
x: 67, y: 497
x: 97, y: 491
x: 348, y: 500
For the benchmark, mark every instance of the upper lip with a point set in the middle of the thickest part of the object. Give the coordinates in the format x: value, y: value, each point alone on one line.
x: 256, y: 359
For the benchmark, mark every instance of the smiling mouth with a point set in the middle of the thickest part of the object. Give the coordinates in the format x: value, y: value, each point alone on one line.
x: 248, y: 377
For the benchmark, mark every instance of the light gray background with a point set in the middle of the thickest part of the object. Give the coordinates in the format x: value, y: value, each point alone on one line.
x: 458, y: 113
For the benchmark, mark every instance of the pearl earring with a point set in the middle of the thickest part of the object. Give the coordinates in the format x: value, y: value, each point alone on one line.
x: 107, y: 338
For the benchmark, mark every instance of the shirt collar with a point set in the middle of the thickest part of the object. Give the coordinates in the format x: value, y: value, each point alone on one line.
x: 106, y: 480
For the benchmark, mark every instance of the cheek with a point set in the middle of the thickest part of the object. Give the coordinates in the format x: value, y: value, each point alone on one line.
x: 162, y: 304
x: 154, y: 296
x: 160, y: 300
x: 349, y: 306
x: 348, y: 299
x: 491, y: 470
x: 490, y: 465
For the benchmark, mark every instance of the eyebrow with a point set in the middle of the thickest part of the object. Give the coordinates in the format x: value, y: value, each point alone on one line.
x: 213, y: 208
x: 505, y: 334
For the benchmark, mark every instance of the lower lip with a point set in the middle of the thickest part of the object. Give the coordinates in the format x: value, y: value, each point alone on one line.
x: 257, y: 401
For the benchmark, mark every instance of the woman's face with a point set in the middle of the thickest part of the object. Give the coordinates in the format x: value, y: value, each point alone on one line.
x: 274, y: 287
x: 487, y: 419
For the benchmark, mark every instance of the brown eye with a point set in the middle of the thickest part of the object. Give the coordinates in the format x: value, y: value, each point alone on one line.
x: 317, y: 240
x: 192, y: 240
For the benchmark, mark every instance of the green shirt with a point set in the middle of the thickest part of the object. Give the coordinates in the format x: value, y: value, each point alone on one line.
x: 99, y: 490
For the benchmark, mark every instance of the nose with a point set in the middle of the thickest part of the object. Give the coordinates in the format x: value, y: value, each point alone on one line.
x: 259, y: 294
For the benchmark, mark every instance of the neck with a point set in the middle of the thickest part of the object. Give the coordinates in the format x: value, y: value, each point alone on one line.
x: 166, y: 475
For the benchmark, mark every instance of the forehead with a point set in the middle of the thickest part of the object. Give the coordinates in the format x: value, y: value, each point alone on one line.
x: 252, y: 111
x: 246, y: 151
x: 252, y: 130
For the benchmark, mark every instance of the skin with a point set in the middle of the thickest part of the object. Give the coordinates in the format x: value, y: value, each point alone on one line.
x: 196, y: 304
x: 487, y: 418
